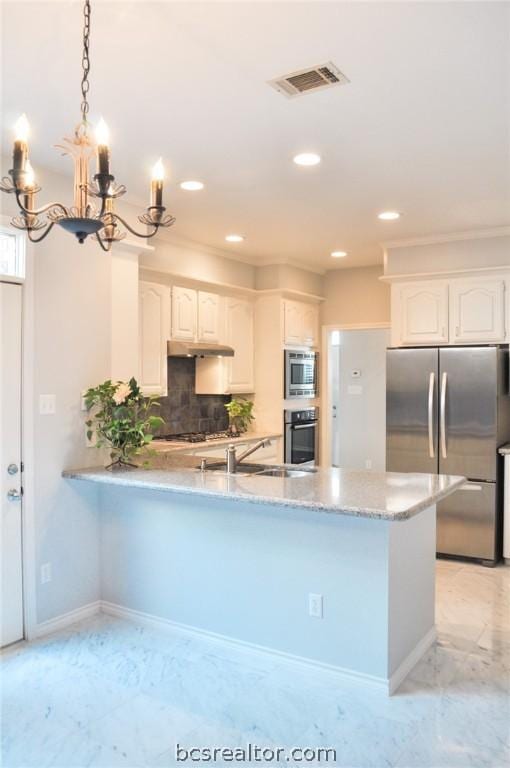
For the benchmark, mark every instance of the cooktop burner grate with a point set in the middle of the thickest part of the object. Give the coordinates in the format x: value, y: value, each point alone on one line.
x: 193, y: 437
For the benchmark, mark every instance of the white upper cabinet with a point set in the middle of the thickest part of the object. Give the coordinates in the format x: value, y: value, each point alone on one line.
x: 422, y: 312
x: 292, y: 322
x: 239, y: 332
x: 231, y: 375
x: 310, y: 325
x: 209, y: 317
x: 184, y: 313
x: 477, y: 311
x: 300, y: 323
x: 154, y: 330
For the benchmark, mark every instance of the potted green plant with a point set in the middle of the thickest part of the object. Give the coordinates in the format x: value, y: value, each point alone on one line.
x: 121, y: 419
x: 239, y: 415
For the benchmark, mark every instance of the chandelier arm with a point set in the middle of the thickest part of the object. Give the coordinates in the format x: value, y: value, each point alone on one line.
x: 133, y: 231
x: 46, y: 232
x: 105, y: 248
x: 38, y: 211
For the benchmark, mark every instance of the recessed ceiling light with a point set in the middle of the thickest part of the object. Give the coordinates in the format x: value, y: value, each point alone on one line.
x: 234, y: 238
x: 388, y: 215
x: 307, y: 158
x: 192, y: 186
x: 338, y: 254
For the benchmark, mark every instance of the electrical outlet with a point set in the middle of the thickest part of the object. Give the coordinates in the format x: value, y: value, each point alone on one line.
x: 45, y: 573
x: 83, y: 406
x: 315, y: 605
x: 47, y: 405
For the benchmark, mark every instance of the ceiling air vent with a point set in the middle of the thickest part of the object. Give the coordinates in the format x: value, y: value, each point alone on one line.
x: 323, y: 76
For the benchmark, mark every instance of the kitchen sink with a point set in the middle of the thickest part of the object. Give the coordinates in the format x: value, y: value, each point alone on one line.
x: 284, y: 472
x: 242, y: 469
x: 264, y: 470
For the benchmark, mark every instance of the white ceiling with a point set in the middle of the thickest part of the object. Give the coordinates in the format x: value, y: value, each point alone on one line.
x: 422, y: 128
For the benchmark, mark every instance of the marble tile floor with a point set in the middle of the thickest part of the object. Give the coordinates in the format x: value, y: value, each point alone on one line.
x: 108, y: 693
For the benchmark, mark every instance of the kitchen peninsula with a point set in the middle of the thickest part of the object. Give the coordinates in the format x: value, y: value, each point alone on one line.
x: 331, y: 567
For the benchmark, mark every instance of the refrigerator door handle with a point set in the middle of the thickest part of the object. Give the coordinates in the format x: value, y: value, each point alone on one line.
x: 444, y: 380
x: 432, y: 379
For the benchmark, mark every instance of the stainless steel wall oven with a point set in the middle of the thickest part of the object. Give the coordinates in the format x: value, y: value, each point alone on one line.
x: 301, y: 436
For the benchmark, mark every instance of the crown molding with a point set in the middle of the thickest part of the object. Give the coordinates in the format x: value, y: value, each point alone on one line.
x: 503, y: 271
x: 473, y: 234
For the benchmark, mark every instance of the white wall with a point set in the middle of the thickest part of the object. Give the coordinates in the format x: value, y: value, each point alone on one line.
x: 230, y: 568
x: 464, y: 251
x: 71, y: 336
x: 288, y: 277
x: 355, y: 296
x: 196, y: 262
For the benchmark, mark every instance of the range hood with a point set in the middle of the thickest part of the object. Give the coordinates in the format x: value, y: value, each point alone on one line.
x: 197, y: 349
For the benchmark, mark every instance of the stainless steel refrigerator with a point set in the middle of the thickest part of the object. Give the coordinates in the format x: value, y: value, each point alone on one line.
x: 448, y: 412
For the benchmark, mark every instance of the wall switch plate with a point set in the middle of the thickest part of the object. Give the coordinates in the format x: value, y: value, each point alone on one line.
x: 315, y: 605
x: 83, y: 407
x: 368, y: 463
x: 45, y: 573
x: 47, y: 405
x: 355, y: 389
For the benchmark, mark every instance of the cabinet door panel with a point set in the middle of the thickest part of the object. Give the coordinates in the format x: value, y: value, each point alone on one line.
x: 293, y: 322
x: 477, y: 311
x: 424, y: 312
x: 184, y: 313
x: 209, y: 306
x: 240, y: 337
x: 154, y: 326
x: 310, y: 326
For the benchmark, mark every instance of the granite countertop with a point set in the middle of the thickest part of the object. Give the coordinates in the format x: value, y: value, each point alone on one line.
x: 248, y: 437
x: 380, y: 495
x: 505, y: 449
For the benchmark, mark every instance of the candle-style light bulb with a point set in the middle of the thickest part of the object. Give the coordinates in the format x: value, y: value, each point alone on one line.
x: 102, y: 133
x: 158, y: 171
x: 158, y: 174
x: 20, y: 150
x: 103, y: 153
x: 21, y: 129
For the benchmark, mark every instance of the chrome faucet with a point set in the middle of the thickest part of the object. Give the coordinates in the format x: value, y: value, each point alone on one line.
x: 233, y: 460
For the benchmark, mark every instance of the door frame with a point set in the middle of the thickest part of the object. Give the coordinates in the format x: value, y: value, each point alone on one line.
x: 27, y: 434
x: 325, y: 422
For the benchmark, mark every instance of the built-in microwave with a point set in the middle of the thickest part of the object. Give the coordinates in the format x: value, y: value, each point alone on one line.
x: 300, y: 374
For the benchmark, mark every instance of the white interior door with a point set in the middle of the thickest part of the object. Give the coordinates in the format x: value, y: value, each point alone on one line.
x: 11, y: 616
x: 358, y: 398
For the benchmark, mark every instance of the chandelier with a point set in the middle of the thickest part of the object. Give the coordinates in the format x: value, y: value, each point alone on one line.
x: 83, y: 218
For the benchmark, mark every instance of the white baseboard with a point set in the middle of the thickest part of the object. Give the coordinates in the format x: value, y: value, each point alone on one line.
x: 390, y: 685
x: 418, y: 651
x: 66, y: 619
x: 252, y: 648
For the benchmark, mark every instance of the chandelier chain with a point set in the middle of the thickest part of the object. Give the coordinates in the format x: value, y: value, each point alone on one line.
x: 85, y: 61
x: 81, y: 219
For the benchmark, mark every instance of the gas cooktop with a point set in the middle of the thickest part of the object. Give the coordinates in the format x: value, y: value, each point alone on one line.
x: 194, y: 437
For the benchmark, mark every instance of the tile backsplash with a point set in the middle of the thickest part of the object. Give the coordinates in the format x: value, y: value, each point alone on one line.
x: 182, y: 409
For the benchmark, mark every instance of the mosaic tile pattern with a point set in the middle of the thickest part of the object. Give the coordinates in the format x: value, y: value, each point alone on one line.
x: 182, y: 409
